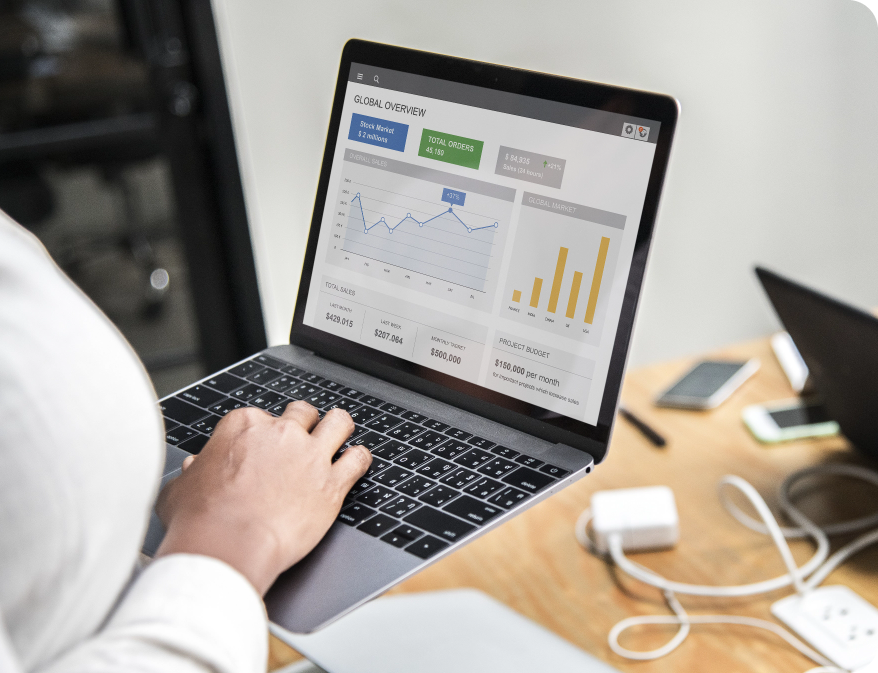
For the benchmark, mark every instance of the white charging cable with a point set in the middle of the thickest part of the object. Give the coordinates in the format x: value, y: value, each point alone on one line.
x: 815, y: 570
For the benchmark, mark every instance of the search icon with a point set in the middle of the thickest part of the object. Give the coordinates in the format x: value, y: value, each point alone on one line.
x: 376, y: 79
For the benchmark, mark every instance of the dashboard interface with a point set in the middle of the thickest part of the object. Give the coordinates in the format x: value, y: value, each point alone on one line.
x: 482, y: 234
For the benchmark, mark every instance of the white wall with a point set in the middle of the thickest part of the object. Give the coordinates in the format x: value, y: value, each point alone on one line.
x: 776, y: 157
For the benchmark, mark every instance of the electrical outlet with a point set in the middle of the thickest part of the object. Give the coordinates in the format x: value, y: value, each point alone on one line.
x: 835, y: 621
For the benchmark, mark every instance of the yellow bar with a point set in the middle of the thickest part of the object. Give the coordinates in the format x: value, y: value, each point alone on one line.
x: 574, y: 294
x: 535, y: 295
x: 596, y: 281
x: 556, y: 282
x: 516, y: 295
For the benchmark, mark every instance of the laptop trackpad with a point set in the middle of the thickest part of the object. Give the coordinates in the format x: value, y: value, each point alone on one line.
x: 345, y: 569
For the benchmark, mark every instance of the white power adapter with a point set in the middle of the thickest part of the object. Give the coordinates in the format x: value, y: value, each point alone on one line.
x: 835, y: 621
x: 645, y: 518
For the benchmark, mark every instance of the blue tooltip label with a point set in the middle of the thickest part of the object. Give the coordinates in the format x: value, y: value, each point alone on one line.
x: 380, y: 132
x: 453, y: 197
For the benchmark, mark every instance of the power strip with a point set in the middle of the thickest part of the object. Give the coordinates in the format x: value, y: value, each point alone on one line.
x: 836, y: 622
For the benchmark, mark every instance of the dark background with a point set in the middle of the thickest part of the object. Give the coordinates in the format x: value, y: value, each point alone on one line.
x: 116, y: 150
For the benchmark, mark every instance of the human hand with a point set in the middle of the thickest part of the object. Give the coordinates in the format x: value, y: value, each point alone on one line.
x: 263, y: 491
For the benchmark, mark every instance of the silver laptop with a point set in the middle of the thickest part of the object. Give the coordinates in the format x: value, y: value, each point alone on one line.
x: 478, y: 244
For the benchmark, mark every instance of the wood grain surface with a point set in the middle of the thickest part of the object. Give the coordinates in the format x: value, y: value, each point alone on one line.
x: 534, y: 565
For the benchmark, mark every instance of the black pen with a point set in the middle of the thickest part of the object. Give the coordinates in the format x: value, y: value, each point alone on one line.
x: 645, y: 429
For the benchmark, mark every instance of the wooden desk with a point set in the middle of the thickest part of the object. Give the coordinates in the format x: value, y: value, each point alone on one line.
x: 534, y: 564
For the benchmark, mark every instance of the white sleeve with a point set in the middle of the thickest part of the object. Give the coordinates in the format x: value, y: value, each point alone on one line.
x: 184, y: 614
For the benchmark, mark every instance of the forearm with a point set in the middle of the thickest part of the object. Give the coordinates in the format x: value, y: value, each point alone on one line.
x: 184, y: 614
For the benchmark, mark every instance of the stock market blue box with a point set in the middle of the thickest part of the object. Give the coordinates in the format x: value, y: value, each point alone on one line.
x: 379, y: 132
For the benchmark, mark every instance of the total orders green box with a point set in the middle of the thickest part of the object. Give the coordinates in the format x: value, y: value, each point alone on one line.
x: 451, y: 149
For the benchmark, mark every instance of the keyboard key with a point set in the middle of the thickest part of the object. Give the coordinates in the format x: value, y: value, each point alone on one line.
x: 371, y: 440
x: 460, y: 478
x: 415, y: 486
x: 377, y: 466
x: 246, y: 368
x: 439, y: 523
x: 170, y: 425
x: 400, y: 506
x: 355, y: 513
x: 371, y: 401
x: 194, y: 444
x: 392, y: 476
x: 343, y: 403
x: 408, y: 531
x: 283, y: 384
x: 364, y: 414
x: 553, y: 471
x: 505, y: 452
x: 426, y: 547
x: 411, y: 459
x: 322, y: 399
x: 225, y: 383
x: 391, y: 408
x: 528, y: 461
x: 480, y: 442
x: 457, y: 433
x: 396, y: 539
x: 311, y: 378
x: 472, y: 510
x: 278, y: 409
x: 413, y: 416
x: 380, y: 495
x: 201, y: 396
x: 358, y: 432
x: 264, y: 377
x: 436, y: 468
x: 303, y: 391
x: 528, y: 480
x: 248, y: 392
x: 497, y: 467
x: 180, y: 411
x: 180, y: 434
x: 473, y: 458
x: 268, y: 399
x: 391, y: 449
x: 350, y: 392
x: 293, y: 371
x: 428, y: 440
x: 378, y: 525
x: 508, y: 497
x: 450, y: 449
x: 435, y: 425
x: 384, y: 422
x: 332, y: 385
x: 226, y: 406
x: 406, y: 431
x: 269, y: 361
x: 438, y: 496
x: 360, y: 486
x: 483, y: 487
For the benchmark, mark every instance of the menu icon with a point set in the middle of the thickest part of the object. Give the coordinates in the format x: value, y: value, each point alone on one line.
x: 629, y: 130
x: 642, y: 133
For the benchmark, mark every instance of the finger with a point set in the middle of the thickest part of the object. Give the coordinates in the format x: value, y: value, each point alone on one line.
x: 352, y: 465
x: 333, y: 430
x: 303, y: 413
x: 188, y: 461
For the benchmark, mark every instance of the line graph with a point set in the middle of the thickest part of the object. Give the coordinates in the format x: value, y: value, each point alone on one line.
x: 456, y: 248
x: 408, y: 216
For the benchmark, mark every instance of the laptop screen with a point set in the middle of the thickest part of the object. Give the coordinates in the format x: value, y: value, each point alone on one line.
x: 482, y: 235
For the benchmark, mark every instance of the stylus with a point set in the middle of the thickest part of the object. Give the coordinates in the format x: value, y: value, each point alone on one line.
x: 645, y: 429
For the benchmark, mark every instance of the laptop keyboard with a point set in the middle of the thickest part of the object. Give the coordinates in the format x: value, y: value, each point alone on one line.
x: 430, y: 484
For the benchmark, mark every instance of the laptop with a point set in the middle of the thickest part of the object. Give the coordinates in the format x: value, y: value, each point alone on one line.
x: 476, y: 254
x: 839, y: 344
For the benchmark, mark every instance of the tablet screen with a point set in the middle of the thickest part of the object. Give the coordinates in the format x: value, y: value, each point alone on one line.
x: 481, y: 234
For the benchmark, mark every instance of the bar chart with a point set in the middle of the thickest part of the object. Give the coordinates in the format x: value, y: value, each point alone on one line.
x: 560, y: 274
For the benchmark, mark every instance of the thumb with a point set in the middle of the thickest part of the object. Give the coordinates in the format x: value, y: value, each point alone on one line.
x: 351, y: 466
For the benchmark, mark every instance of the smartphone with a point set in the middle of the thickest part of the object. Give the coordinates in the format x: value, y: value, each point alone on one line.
x: 707, y: 384
x: 791, y: 419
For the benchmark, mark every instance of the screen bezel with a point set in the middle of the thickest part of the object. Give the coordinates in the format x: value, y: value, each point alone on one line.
x: 510, y: 411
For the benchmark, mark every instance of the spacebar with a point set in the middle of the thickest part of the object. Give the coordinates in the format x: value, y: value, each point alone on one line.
x: 439, y: 524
